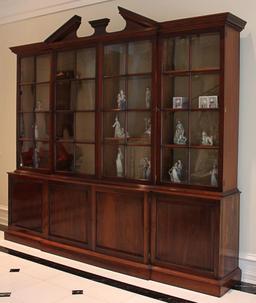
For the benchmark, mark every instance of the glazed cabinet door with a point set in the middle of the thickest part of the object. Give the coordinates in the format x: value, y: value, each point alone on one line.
x: 184, y: 233
x: 25, y: 203
x: 69, y: 213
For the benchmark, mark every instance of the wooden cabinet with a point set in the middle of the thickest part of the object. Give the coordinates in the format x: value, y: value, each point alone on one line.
x: 127, y: 148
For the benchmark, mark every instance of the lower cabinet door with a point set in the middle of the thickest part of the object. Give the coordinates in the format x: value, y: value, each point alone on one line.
x: 120, y: 223
x: 25, y: 203
x: 185, y: 232
x: 69, y: 213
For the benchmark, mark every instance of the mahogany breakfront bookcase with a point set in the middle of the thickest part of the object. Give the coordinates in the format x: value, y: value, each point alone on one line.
x: 127, y: 148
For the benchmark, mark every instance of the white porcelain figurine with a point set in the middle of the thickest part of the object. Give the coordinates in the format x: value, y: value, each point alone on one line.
x: 119, y: 132
x: 148, y: 97
x: 119, y: 163
x: 175, y: 172
x: 179, y: 137
x: 206, y: 140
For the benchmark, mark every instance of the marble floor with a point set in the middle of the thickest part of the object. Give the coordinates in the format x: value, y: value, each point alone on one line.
x: 29, y: 275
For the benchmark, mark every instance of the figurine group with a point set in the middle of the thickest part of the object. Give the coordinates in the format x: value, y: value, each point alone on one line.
x: 179, y: 136
x: 175, y: 172
x: 122, y: 102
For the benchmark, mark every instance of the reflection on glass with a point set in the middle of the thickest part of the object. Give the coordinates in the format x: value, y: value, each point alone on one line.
x: 111, y: 90
x: 86, y: 63
x: 43, y: 68
x: 176, y: 54
x: 175, y: 165
x: 66, y: 65
x: 205, y: 51
x: 26, y: 154
x: 42, y: 97
x: 139, y: 126
x: 138, y: 162
x: 85, y: 126
x: 64, y: 156
x: 204, y: 123
x: 63, y: 95
x: 27, y: 69
x: 204, y: 167
x: 41, y: 155
x: 41, y: 126
x: 174, y: 87
x: 64, y: 126
x: 84, y: 159
x: 26, y: 127
x: 139, y: 57
x: 114, y: 160
x: 204, y: 85
x: 139, y: 93
x: 84, y: 95
x: 115, y: 59
x: 27, y: 98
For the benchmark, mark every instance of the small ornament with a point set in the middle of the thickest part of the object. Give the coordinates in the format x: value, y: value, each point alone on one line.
x: 36, y: 131
x: 148, y: 97
x: 38, y: 105
x: 119, y: 163
x: 206, y: 140
x: 119, y: 132
x: 175, y: 172
x: 147, y: 126
x: 146, y: 168
x: 179, y: 137
x: 36, y: 157
x: 214, y: 175
x: 121, y: 100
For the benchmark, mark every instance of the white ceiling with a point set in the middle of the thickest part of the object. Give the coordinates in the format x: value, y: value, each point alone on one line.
x: 14, y: 10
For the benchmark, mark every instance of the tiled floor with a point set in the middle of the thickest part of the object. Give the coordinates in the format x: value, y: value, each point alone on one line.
x: 38, y: 283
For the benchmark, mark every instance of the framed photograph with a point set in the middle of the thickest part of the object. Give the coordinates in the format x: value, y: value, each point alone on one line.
x: 179, y: 102
x: 213, y: 101
x: 203, y: 102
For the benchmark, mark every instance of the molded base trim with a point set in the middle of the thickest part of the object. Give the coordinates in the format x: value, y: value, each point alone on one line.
x: 247, y: 263
x: 146, y: 271
x: 3, y: 214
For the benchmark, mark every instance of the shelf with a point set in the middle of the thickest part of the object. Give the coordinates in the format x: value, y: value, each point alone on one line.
x: 73, y: 141
x: 167, y: 109
x: 175, y: 145
x: 126, y: 110
x: 33, y: 83
x: 190, y: 146
x: 75, y: 79
x: 188, y: 72
x: 128, y: 75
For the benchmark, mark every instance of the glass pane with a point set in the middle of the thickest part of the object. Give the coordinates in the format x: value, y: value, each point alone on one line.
x: 139, y: 93
x: 26, y: 125
x: 84, y: 95
x: 114, y: 93
x: 176, y: 54
x: 139, y: 127
x: 205, y: 51
x: 175, y: 165
x: 27, y: 72
x: 41, y: 155
x: 175, y: 128
x: 42, y: 97
x: 66, y: 65
x: 86, y: 63
x: 64, y: 156
x: 43, y: 68
x: 139, y: 57
x: 204, y: 167
x: 63, y: 95
x: 84, y: 159
x: 205, y: 91
x: 114, y: 59
x: 26, y: 154
x: 114, y: 126
x: 27, y: 98
x: 64, y: 126
x: 41, y: 126
x: 175, y: 91
x: 114, y: 160
x: 85, y: 126
x: 138, y: 162
x: 204, y: 128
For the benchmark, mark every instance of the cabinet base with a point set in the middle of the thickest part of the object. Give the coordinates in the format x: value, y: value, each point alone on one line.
x: 201, y: 284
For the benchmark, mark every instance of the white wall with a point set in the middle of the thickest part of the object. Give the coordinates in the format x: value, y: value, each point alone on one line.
x: 37, y: 29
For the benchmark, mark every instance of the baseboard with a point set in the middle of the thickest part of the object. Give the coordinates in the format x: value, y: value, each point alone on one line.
x: 3, y: 215
x: 247, y: 263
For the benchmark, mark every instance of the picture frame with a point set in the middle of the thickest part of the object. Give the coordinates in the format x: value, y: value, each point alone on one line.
x: 213, y: 101
x: 203, y: 102
x: 179, y: 102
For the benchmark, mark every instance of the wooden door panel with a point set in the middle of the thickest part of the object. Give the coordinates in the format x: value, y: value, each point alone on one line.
x: 120, y: 220
x: 185, y: 233
x: 26, y: 204
x: 69, y: 212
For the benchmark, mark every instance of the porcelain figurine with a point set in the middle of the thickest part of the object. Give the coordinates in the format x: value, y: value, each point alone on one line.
x: 119, y: 163
x: 175, y: 172
x: 148, y: 97
x: 206, y: 140
x: 179, y: 137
